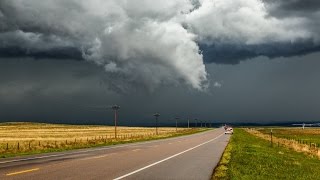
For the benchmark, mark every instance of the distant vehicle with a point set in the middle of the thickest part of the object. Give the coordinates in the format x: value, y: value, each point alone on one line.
x: 229, y: 130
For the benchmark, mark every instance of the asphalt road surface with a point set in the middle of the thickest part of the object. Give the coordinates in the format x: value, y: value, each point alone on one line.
x: 186, y: 157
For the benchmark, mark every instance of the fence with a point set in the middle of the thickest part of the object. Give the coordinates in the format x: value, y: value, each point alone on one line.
x: 312, y: 145
x: 47, y: 146
x: 296, y: 144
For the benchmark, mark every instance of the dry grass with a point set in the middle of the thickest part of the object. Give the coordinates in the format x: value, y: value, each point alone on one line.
x: 309, y: 134
x: 20, y: 138
x: 309, y: 149
x: 13, y: 132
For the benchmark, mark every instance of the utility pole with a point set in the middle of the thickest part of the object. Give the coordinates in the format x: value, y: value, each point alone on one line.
x: 196, y: 122
x: 188, y: 123
x: 115, y: 108
x: 177, y: 123
x: 156, y: 115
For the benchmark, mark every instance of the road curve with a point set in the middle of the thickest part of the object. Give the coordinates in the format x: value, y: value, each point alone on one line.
x: 186, y: 157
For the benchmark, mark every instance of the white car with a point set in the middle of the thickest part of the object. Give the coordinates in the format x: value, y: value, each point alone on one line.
x: 229, y: 131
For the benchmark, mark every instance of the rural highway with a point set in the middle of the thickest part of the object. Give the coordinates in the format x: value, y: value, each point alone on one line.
x: 186, y: 157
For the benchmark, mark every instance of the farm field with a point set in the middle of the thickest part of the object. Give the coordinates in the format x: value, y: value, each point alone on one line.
x: 307, y: 135
x: 251, y: 157
x: 31, y: 138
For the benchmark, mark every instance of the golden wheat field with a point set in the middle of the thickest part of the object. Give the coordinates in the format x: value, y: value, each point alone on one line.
x: 18, y: 138
x: 12, y: 132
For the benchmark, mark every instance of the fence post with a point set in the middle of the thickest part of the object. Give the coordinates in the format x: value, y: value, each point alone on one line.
x: 271, y: 138
x: 18, y: 146
x: 7, y: 146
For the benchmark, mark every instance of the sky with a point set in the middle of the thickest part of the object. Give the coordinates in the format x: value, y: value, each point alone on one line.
x: 220, y: 61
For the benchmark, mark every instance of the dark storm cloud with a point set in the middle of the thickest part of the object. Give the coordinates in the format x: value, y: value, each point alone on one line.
x: 164, y: 47
x: 307, y: 10
x: 233, y: 54
x: 232, y: 31
x: 62, y: 53
x: 257, y: 91
x: 288, y: 7
x: 149, y: 44
x: 129, y: 39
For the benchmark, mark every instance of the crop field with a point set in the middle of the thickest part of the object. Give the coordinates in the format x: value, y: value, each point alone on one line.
x: 30, y: 138
x: 306, y: 136
x: 250, y: 157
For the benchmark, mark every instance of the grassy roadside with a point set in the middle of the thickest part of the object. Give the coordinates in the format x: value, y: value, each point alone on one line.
x: 52, y: 146
x: 253, y: 158
x: 221, y: 171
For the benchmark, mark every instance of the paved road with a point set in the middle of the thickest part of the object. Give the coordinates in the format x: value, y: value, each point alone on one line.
x: 187, y: 157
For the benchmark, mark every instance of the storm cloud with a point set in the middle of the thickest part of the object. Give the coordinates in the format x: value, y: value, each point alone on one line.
x: 148, y: 43
x: 230, y: 31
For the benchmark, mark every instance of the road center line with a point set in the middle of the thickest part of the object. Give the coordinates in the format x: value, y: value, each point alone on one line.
x: 24, y: 171
x: 158, y: 162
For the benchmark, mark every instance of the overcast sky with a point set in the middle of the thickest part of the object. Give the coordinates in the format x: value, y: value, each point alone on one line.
x: 247, y: 61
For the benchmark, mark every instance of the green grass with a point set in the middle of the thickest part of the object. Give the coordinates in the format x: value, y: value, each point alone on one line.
x: 221, y: 171
x: 253, y: 158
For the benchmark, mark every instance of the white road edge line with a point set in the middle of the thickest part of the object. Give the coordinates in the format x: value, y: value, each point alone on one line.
x: 99, y: 149
x: 158, y: 162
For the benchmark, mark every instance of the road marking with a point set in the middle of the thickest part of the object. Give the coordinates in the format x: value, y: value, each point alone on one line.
x: 158, y: 162
x: 24, y: 171
x: 103, y: 148
x: 97, y: 157
x: 136, y: 150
